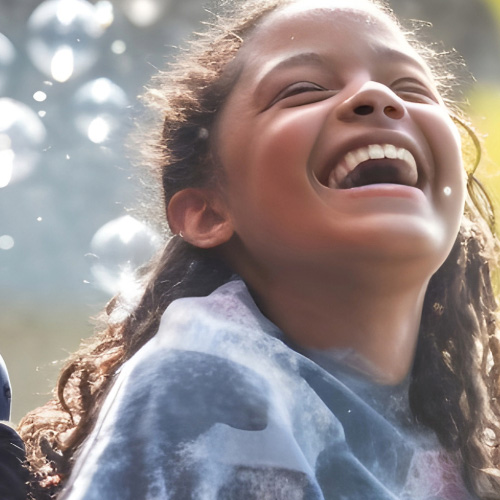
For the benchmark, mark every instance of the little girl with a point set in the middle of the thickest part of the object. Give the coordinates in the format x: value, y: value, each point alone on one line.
x: 322, y: 323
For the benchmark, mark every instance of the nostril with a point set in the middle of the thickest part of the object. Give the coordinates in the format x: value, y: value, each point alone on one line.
x: 390, y: 110
x: 365, y: 109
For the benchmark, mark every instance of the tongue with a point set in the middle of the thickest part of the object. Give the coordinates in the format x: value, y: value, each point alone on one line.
x: 366, y: 174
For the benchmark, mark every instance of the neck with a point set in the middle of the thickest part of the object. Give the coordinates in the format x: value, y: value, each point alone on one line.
x: 378, y: 321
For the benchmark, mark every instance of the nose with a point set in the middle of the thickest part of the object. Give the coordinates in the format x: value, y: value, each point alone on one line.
x: 372, y: 101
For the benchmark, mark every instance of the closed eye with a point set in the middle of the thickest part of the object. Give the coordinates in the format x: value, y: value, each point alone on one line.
x: 412, y: 90
x: 304, y: 91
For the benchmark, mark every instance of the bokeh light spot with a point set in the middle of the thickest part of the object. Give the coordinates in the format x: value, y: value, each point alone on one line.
x: 39, y: 96
x: 98, y: 130
x: 63, y: 64
x: 118, y: 47
x: 145, y: 13
x: 6, y: 242
x: 104, y: 13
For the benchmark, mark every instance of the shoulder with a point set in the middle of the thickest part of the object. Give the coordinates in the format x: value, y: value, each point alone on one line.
x: 191, y: 387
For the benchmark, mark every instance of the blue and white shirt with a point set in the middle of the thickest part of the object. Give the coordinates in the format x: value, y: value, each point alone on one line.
x: 217, y: 406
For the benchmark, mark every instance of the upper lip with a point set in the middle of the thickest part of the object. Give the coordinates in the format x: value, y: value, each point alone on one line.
x: 397, y: 140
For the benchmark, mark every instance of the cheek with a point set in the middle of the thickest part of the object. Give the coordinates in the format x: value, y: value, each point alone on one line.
x: 268, y: 165
x: 449, y: 183
x: 269, y: 187
x: 287, y: 138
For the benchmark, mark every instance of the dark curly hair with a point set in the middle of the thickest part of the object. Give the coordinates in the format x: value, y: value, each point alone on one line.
x: 458, y: 342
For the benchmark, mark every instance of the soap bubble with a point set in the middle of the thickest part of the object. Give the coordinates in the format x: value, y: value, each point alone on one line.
x: 100, y: 106
x: 7, y: 56
x: 120, y: 247
x: 62, y: 37
x: 145, y: 13
x: 21, y: 137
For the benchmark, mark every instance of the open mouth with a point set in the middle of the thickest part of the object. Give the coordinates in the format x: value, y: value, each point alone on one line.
x: 374, y: 164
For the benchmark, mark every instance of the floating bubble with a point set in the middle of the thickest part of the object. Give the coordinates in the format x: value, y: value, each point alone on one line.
x: 21, y: 137
x: 120, y: 247
x: 145, y: 13
x: 62, y: 37
x: 7, y: 56
x: 99, y: 109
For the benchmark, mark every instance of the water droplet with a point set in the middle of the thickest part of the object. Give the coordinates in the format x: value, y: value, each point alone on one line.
x: 99, y: 109
x: 121, y: 246
x: 447, y: 191
x: 21, y: 137
x: 6, y: 242
x: 144, y: 13
x: 7, y: 56
x: 62, y: 38
x: 42, y: 113
x: 39, y: 219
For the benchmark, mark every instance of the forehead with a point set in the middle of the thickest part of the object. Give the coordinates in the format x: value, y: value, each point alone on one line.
x: 360, y: 14
x: 348, y: 27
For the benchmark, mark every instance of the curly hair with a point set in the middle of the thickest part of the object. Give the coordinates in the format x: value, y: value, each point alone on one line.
x: 458, y: 342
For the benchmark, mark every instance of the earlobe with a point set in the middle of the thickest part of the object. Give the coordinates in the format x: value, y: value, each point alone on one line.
x: 200, y: 216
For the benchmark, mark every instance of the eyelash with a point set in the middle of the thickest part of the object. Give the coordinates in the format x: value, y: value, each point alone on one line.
x: 414, y: 92
x: 296, y: 89
x: 417, y: 96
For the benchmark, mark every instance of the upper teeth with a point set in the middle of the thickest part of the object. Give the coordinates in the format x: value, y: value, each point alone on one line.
x: 373, y: 152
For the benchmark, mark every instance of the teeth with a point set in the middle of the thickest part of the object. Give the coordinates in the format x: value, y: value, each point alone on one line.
x: 390, y: 151
x: 351, y: 161
x: 376, y: 152
x: 341, y: 174
x: 372, y: 152
x: 408, y: 158
x: 361, y: 155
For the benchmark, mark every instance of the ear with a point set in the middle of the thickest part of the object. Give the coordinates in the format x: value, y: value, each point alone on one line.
x: 200, y: 216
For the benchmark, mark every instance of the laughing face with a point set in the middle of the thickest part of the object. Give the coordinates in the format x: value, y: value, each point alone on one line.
x: 337, y: 147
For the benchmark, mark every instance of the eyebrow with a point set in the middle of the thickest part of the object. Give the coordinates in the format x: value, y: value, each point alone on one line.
x: 297, y: 60
x: 300, y: 59
x: 396, y: 54
x: 314, y: 59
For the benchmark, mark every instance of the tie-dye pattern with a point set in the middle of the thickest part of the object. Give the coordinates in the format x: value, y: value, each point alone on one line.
x: 217, y: 406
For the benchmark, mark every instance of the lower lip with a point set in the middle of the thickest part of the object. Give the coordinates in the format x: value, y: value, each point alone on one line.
x: 383, y: 190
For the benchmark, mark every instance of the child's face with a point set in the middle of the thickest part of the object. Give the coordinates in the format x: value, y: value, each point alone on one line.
x: 336, y: 144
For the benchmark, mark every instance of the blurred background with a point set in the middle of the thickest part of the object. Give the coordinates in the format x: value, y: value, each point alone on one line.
x: 70, y: 74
